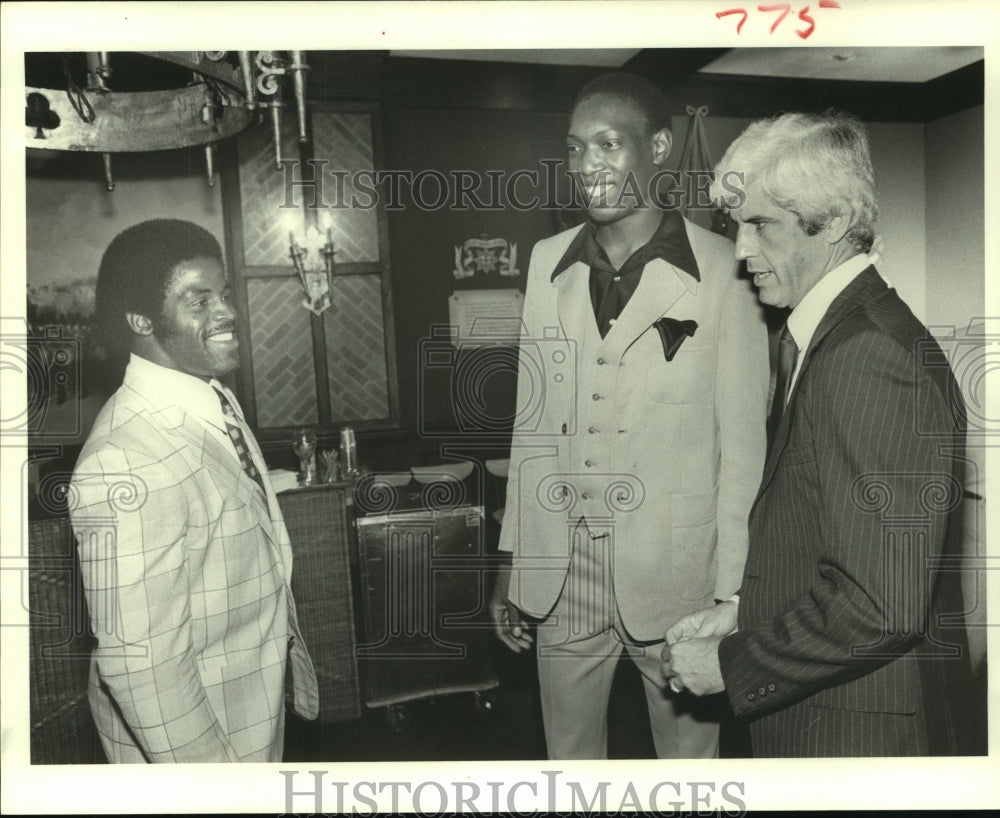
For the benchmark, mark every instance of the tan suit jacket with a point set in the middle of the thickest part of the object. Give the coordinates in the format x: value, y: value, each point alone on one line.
x: 186, y: 571
x: 664, y: 457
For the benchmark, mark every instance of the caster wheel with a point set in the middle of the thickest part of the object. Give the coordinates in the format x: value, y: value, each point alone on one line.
x: 396, y: 716
x: 484, y: 703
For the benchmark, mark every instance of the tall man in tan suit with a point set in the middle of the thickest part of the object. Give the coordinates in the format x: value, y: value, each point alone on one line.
x: 640, y: 436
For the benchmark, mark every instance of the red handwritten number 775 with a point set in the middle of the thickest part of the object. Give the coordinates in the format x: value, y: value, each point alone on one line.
x: 784, y: 9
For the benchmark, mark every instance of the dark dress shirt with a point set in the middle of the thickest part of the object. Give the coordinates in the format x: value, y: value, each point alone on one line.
x: 611, y: 289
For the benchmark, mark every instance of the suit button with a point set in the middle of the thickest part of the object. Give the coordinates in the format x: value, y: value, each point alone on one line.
x: 586, y: 495
x: 770, y: 687
x: 601, y: 361
x: 751, y: 696
x: 589, y: 463
x: 592, y: 430
x: 596, y: 396
x: 761, y: 691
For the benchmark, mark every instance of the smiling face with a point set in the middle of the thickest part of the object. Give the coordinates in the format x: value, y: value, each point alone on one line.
x: 786, y: 262
x: 612, y: 157
x: 195, y: 330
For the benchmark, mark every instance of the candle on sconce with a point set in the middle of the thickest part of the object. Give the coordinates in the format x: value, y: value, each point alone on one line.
x: 289, y: 221
x: 328, y: 225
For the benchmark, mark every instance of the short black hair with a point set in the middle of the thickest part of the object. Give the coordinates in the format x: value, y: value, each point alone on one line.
x: 643, y: 94
x: 135, y: 272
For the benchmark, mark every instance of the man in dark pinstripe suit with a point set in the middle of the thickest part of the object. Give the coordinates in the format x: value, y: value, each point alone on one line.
x: 846, y: 638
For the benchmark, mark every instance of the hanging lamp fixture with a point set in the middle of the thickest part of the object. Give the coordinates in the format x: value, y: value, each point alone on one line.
x: 227, y: 93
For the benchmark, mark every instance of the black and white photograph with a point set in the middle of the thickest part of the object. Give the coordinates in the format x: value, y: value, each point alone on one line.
x: 498, y: 407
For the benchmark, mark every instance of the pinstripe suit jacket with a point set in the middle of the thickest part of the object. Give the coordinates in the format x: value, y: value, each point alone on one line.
x: 840, y: 648
x: 186, y: 571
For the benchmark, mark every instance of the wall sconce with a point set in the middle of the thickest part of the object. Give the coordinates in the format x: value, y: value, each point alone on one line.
x: 313, y: 260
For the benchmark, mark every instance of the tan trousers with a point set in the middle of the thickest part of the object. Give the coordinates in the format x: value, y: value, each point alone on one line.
x: 579, y: 644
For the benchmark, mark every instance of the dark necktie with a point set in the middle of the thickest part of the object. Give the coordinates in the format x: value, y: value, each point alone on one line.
x: 787, y: 354
x: 234, y: 428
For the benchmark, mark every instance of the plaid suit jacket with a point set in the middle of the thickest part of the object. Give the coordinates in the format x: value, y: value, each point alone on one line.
x: 850, y: 640
x: 186, y: 571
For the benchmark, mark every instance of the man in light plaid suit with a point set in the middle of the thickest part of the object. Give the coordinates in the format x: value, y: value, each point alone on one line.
x: 185, y: 558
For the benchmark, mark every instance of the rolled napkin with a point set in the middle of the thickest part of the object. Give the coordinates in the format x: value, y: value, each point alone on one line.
x: 498, y: 467
x: 283, y: 480
x: 444, y: 471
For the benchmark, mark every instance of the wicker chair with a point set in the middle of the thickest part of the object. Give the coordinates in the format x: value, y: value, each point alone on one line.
x: 60, y: 644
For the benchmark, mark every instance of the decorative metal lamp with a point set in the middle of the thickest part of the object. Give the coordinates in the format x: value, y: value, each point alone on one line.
x: 313, y: 260
x: 226, y: 91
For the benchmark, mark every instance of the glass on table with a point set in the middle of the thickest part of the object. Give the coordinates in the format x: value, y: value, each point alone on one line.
x: 304, y: 446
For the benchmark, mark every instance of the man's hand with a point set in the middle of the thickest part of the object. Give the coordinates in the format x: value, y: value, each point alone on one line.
x: 719, y: 620
x: 694, y: 664
x: 508, y: 625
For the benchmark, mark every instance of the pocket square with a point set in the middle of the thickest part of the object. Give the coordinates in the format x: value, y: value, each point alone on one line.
x: 672, y: 334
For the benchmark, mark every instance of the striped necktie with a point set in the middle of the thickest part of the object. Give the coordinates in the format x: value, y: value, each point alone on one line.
x: 788, y: 352
x: 234, y: 428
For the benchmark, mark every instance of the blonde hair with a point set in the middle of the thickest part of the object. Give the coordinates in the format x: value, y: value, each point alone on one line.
x: 817, y: 166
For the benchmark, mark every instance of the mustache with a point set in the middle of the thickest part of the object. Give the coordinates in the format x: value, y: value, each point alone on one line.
x: 229, y: 326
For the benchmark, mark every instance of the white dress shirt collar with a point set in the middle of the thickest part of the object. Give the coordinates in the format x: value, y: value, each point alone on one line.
x: 805, y: 318
x: 164, y: 386
x: 190, y: 393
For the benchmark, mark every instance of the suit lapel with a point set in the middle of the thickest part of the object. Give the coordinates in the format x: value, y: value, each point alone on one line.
x: 182, y: 429
x: 659, y: 288
x: 221, y: 462
x: 862, y: 289
x: 574, y: 306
